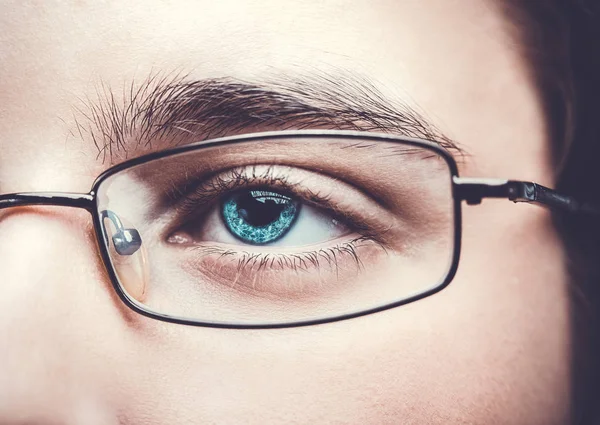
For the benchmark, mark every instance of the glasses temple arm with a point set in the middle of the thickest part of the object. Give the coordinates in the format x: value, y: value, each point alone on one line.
x: 473, y: 190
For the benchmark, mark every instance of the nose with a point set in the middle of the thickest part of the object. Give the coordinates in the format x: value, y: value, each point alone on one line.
x: 60, y: 320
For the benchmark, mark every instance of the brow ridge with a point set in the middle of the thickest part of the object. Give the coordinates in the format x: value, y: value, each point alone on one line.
x: 169, y: 110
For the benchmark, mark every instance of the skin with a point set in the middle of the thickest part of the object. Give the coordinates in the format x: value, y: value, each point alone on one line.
x: 492, y: 348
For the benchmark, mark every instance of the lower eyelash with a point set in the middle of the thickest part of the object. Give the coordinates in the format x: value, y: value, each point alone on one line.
x: 300, y: 262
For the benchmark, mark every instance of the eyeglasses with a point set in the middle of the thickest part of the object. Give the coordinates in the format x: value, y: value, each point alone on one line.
x: 284, y: 229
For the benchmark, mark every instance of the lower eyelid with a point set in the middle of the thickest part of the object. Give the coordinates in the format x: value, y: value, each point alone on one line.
x: 277, y: 273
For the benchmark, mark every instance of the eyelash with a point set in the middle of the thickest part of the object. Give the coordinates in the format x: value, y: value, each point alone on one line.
x: 217, y: 186
x: 232, y: 180
x: 297, y: 262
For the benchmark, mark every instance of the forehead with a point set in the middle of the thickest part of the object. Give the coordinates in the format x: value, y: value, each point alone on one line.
x: 232, y: 32
x: 453, y: 60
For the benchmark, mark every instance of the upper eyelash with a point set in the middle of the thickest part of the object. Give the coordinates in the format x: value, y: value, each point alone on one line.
x: 214, y: 187
x: 211, y: 188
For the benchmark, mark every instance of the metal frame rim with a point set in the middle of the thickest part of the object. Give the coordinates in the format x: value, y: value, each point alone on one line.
x: 138, y: 308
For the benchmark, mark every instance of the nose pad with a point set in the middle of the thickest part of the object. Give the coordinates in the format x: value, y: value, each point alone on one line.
x: 127, y: 241
x: 132, y: 271
x: 128, y: 255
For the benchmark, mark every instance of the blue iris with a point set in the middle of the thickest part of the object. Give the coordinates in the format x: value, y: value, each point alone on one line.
x: 258, y: 216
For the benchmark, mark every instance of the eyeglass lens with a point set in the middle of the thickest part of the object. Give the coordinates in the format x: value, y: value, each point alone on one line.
x: 280, y: 230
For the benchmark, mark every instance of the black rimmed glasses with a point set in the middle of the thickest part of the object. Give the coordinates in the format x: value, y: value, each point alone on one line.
x: 284, y: 229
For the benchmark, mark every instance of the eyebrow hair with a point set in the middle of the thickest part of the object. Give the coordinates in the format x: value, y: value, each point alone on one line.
x: 165, y: 111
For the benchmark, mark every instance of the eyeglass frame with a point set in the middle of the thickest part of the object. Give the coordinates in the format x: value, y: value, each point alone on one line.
x: 469, y: 189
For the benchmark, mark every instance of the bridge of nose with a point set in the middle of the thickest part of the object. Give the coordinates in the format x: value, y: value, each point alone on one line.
x: 60, y: 320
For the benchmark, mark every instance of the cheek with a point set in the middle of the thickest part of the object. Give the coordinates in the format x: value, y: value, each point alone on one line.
x: 493, y: 345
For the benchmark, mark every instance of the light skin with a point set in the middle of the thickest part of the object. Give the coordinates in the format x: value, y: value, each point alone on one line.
x: 492, y: 348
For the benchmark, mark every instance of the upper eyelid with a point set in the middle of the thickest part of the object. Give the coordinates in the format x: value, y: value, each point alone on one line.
x: 220, y: 157
x: 188, y: 204
x: 273, y: 174
x: 233, y: 179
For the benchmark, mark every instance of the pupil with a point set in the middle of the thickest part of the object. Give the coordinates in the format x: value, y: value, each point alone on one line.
x: 259, y: 217
x: 258, y: 213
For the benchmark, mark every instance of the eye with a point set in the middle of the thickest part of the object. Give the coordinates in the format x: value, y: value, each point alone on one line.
x: 267, y: 217
x: 244, y: 225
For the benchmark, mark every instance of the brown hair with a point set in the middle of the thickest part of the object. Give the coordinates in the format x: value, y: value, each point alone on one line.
x: 560, y: 40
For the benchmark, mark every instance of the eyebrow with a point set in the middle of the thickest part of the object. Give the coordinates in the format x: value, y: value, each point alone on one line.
x: 167, y: 111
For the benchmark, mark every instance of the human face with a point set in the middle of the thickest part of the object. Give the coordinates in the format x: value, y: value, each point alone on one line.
x: 493, y: 347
